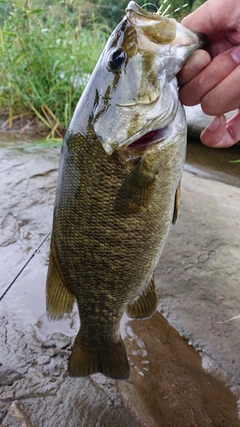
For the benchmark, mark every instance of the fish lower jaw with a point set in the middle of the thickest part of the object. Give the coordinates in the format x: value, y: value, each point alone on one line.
x: 138, y: 141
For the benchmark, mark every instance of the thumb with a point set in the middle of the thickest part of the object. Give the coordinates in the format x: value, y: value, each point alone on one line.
x: 221, y: 133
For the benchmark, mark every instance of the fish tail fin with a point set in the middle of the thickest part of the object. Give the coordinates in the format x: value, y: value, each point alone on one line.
x: 110, y: 361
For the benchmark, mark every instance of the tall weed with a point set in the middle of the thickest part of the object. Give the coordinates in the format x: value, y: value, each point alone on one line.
x: 46, y: 56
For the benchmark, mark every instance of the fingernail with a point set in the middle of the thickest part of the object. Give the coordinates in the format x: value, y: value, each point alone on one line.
x: 216, y: 123
x: 198, y: 61
x: 235, y: 54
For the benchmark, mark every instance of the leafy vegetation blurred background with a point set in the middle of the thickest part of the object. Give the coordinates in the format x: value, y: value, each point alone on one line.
x: 48, y: 48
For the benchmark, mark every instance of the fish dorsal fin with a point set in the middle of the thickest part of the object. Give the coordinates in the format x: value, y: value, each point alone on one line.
x: 110, y: 360
x: 58, y: 298
x: 145, y: 304
x: 136, y: 190
x: 176, y: 203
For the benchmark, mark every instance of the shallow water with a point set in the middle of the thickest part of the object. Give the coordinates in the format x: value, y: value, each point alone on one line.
x: 167, y: 387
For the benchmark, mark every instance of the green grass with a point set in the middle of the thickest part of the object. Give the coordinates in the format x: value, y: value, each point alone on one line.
x: 46, y: 55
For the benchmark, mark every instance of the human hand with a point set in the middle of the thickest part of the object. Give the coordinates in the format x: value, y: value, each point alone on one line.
x: 212, y: 76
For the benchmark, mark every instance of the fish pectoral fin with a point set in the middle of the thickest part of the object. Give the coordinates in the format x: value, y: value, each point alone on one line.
x: 145, y: 304
x: 176, y: 203
x: 110, y: 361
x: 136, y: 190
x: 59, y: 299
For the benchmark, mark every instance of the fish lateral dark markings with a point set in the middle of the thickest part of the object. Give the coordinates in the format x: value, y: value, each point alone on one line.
x: 118, y: 188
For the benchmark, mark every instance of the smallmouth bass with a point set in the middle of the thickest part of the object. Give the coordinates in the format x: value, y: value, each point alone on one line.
x: 118, y: 187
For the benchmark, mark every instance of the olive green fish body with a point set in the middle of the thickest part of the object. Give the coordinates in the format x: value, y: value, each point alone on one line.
x: 116, y: 198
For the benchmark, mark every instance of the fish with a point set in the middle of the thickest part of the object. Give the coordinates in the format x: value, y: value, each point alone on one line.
x: 118, y: 188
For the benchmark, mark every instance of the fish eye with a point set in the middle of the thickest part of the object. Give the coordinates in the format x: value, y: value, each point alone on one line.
x: 116, y: 59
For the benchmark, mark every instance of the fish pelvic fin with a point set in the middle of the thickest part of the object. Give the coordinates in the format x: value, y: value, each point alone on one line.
x: 145, y: 304
x: 59, y: 299
x: 176, y: 203
x: 136, y: 190
x: 110, y: 361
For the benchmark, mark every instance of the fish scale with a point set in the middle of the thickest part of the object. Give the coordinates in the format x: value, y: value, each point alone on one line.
x: 115, y: 202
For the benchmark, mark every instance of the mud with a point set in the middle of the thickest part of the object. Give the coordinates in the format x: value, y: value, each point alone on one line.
x: 198, y: 285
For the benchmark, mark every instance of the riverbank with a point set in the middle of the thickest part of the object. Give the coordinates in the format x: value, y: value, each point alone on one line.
x: 24, y: 124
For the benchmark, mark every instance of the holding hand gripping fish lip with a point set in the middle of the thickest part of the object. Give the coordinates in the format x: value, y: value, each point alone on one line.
x: 118, y: 187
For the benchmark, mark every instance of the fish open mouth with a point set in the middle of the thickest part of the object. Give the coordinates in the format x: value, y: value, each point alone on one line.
x: 149, y: 138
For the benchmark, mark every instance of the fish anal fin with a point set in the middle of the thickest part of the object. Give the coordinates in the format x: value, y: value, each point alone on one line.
x: 145, y: 304
x: 110, y: 361
x: 59, y: 299
x: 136, y: 190
x: 176, y: 203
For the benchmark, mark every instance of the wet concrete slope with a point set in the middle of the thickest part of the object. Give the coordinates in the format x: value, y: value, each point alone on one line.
x: 198, y: 286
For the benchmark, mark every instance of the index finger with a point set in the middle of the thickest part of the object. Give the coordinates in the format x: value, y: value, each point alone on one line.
x: 198, y: 61
x: 213, y: 75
